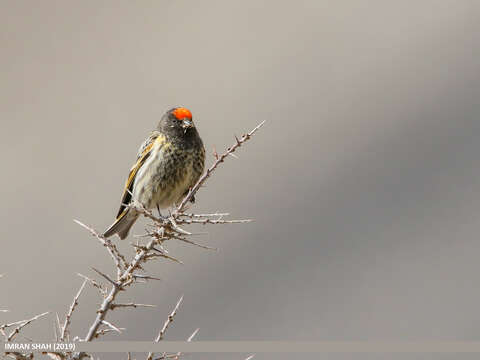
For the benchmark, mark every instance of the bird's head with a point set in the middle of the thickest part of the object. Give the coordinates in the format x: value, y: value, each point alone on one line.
x: 177, y: 121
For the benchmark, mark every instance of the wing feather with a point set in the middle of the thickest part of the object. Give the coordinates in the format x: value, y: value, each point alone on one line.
x: 143, y: 154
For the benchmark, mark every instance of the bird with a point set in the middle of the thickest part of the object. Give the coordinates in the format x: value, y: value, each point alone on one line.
x: 169, y: 163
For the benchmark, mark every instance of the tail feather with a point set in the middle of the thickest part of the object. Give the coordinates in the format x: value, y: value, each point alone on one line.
x: 122, y: 225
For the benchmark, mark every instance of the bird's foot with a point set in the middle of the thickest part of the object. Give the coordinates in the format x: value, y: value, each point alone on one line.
x: 160, y: 216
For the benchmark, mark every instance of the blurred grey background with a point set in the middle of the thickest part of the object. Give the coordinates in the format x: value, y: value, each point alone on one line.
x: 364, y: 183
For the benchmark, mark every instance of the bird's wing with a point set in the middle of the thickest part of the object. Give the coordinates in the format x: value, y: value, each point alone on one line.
x: 143, y: 153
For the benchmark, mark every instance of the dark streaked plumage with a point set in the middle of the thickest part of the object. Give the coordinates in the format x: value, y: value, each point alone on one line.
x: 169, y: 163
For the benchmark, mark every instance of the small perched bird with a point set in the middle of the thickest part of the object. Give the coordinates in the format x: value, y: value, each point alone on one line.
x: 169, y: 163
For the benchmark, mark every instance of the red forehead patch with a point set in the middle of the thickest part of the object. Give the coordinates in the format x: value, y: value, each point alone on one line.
x: 182, y: 113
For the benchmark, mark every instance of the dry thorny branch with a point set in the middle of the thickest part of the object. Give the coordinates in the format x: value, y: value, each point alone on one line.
x: 129, y: 271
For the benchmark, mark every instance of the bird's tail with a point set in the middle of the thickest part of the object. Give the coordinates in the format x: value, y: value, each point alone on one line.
x: 122, y: 225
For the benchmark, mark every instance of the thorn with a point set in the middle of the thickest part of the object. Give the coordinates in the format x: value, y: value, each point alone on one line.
x: 193, y: 334
x: 176, y: 228
x: 111, y: 326
x: 146, y: 277
x: 22, y: 323
x: 113, y: 306
x: 105, y: 276
x: 196, y: 244
x: 94, y: 284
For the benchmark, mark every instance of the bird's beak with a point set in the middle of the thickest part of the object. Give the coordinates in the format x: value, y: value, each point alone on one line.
x: 187, y: 124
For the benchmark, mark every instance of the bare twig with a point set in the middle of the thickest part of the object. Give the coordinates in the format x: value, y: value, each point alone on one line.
x: 169, y: 320
x: 59, y: 326
x: 194, y: 243
x: 21, y: 325
x: 108, y: 278
x: 106, y: 331
x: 213, y: 221
x: 118, y: 258
x: 158, y: 253
x: 70, y: 312
x: 164, y: 229
x: 132, y: 305
x: 146, y: 277
x: 55, y: 333
x: 204, y: 215
x: 5, y: 326
x: 165, y: 356
x: 219, y: 159
x: 190, y: 338
x: 95, y: 284
x: 113, y: 327
x: 174, y: 225
x: 126, y: 276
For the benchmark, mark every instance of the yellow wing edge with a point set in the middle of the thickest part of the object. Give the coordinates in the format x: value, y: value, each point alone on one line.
x: 126, y: 196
